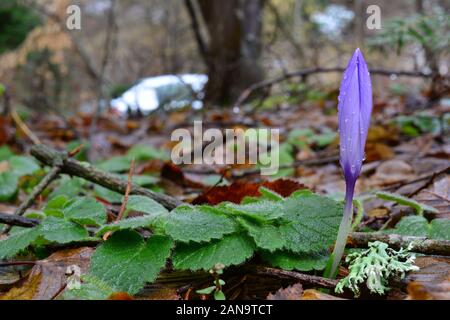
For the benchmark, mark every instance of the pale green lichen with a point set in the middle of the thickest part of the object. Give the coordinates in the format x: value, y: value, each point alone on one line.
x: 375, y: 266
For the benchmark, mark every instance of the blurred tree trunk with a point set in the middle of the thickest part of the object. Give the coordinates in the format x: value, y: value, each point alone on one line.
x: 232, y: 53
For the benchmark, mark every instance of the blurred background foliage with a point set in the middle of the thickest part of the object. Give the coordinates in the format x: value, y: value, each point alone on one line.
x: 47, y: 67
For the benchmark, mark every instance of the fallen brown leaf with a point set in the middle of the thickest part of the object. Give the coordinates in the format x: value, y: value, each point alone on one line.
x: 239, y: 190
x: 432, y: 281
x: 48, y: 277
x: 293, y: 292
x: 312, y: 294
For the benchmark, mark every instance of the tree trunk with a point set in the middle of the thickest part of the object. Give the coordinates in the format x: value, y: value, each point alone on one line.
x: 234, y: 47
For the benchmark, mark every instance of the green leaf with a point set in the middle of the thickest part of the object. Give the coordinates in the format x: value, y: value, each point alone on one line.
x: 8, y: 185
x: 23, y: 166
x: 418, y: 226
x: 68, y: 186
x: 219, y: 296
x: 144, y: 180
x: 107, y: 194
x: 419, y: 207
x: 17, y: 241
x: 55, y: 206
x: 440, y: 229
x: 231, y: 250
x: 131, y: 223
x: 5, y: 153
x: 313, y: 222
x: 206, y: 291
x: 269, y: 194
x: 91, y: 288
x: 197, y: 224
x: 116, y: 164
x: 86, y: 211
x: 266, y: 236
x: 126, y: 262
x: 145, y: 205
x: 262, y: 211
x: 412, y: 226
x: 62, y: 231
x: 296, y: 261
x: 145, y: 153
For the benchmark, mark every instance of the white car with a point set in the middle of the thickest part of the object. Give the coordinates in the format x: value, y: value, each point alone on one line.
x: 171, y: 91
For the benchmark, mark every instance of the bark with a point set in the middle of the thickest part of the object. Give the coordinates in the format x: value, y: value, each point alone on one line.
x: 234, y: 47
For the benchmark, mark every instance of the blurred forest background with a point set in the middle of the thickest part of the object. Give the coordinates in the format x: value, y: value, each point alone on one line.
x: 47, y: 67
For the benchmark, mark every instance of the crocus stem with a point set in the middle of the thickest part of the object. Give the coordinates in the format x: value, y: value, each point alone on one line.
x: 344, y: 228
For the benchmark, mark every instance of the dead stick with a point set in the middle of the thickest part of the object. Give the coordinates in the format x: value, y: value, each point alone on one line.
x: 127, y: 192
x: 125, y: 199
x: 310, y: 279
x: 421, y: 244
x: 18, y: 221
x: 86, y: 171
x: 24, y: 127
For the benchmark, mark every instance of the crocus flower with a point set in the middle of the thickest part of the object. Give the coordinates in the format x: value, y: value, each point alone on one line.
x: 355, y: 108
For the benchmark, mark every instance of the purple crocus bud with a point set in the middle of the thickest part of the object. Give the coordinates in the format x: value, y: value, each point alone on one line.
x: 355, y: 108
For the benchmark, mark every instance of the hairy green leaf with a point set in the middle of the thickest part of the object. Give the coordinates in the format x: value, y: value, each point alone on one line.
x: 126, y: 262
x: 266, y: 236
x: 197, y: 224
x: 145, y: 205
x: 231, y: 250
x: 131, y: 223
x: 23, y: 166
x: 86, y: 211
x: 418, y: 226
x: 62, y: 231
x: 263, y: 210
x: 17, y: 242
x: 8, y: 185
x: 313, y: 222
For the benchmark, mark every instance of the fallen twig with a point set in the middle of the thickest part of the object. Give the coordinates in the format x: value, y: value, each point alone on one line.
x: 17, y: 221
x: 125, y: 199
x: 86, y: 171
x: 306, y: 278
x: 127, y: 192
x: 24, y: 127
x: 420, y: 244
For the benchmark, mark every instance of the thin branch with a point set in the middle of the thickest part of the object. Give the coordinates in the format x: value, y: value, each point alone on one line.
x: 305, y: 278
x: 127, y: 191
x: 24, y: 127
x: 420, y: 244
x: 18, y: 221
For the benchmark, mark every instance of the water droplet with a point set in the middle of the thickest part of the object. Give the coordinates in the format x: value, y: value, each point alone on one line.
x: 346, y: 120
